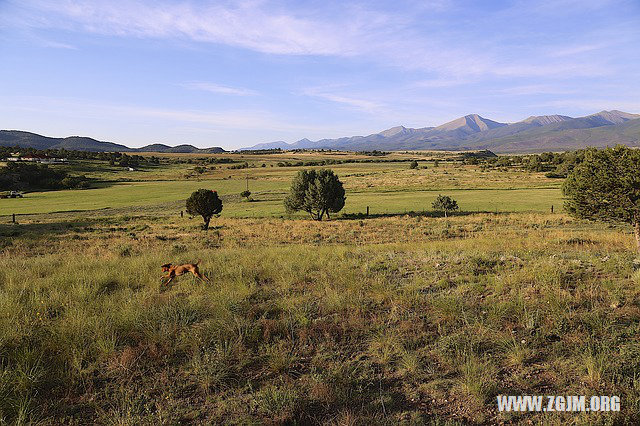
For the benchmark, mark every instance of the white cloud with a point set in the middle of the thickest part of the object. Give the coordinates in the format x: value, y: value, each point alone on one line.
x: 57, y: 45
x: 348, y: 100
x: 535, y: 89
x: 578, y: 49
x: 227, y: 119
x: 218, y: 88
x: 390, y: 38
x: 594, y: 105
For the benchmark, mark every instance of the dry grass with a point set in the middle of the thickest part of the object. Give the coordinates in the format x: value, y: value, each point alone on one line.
x: 383, y: 320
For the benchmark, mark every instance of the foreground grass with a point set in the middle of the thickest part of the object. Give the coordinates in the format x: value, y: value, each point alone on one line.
x: 403, y: 319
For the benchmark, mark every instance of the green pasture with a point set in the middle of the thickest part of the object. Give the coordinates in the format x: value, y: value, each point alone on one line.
x: 386, y: 188
x: 268, y: 197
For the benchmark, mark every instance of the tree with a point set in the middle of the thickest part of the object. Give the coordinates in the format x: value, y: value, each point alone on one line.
x: 245, y: 194
x: 316, y: 192
x: 605, y: 186
x: 205, y: 203
x: 413, y: 164
x: 445, y: 203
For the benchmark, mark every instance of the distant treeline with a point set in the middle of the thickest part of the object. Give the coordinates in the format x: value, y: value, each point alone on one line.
x: 556, y: 164
x: 24, y: 176
x: 114, y: 158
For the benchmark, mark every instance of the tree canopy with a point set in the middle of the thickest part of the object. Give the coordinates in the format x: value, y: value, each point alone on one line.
x: 605, y: 186
x: 445, y: 203
x: 205, y: 203
x: 318, y: 192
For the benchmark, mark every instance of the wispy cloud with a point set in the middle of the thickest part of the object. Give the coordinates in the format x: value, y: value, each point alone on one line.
x: 578, y: 49
x: 595, y: 104
x: 441, y: 82
x: 389, y: 37
x: 366, y: 105
x: 218, y: 88
x: 57, y: 45
x: 227, y: 119
x: 535, y: 89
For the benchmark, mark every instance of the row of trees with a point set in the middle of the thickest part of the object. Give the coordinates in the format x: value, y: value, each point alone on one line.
x: 24, y: 176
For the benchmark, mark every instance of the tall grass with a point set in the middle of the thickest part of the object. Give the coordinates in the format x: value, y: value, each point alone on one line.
x: 391, y: 320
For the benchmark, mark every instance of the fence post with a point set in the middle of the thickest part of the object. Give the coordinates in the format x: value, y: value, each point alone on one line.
x: 13, y: 219
x: 367, y: 211
x: 551, y: 208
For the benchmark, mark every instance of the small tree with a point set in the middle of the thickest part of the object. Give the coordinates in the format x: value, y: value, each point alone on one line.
x: 413, y: 164
x: 245, y: 194
x: 606, y: 186
x: 445, y: 203
x: 205, y: 203
x: 317, y: 192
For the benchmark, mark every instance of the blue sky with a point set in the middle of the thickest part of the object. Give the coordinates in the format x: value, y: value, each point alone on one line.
x: 236, y: 73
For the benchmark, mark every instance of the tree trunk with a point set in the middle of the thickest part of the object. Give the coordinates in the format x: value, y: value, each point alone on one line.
x: 206, y: 222
x: 445, y: 213
x: 328, y: 218
x: 636, y: 229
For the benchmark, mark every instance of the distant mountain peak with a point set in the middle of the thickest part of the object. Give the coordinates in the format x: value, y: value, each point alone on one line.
x: 614, y: 116
x: 393, y: 131
x: 470, y: 123
x: 543, y: 120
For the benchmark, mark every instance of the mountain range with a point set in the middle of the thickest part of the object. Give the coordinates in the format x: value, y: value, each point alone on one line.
x: 473, y: 132
x: 32, y: 140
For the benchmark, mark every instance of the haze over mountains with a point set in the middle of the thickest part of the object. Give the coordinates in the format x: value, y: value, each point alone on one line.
x: 472, y: 132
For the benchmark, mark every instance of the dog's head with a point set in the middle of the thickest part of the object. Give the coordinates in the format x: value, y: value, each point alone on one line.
x: 166, y: 267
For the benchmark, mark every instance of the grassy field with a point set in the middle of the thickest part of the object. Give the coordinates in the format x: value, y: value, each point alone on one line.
x: 395, y: 318
x: 387, y: 188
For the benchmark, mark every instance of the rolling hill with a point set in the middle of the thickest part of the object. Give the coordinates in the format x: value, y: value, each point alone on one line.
x: 471, y: 132
x: 32, y: 140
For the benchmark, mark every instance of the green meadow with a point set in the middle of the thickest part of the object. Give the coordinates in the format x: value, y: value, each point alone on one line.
x: 387, y: 188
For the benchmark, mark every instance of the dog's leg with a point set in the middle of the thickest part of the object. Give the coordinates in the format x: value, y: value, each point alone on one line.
x: 166, y: 284
x: 200, y: 276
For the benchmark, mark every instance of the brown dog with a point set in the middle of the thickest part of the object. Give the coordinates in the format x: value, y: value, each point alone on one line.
x: 176, y: 271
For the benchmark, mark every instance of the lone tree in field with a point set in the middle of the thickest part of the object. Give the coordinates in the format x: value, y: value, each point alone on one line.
x: 245, y: 194
x: 205, y: 203
x: 445, y: 203
x: 606, y: 186
x: 413, y: 164
x: 317, y: 192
